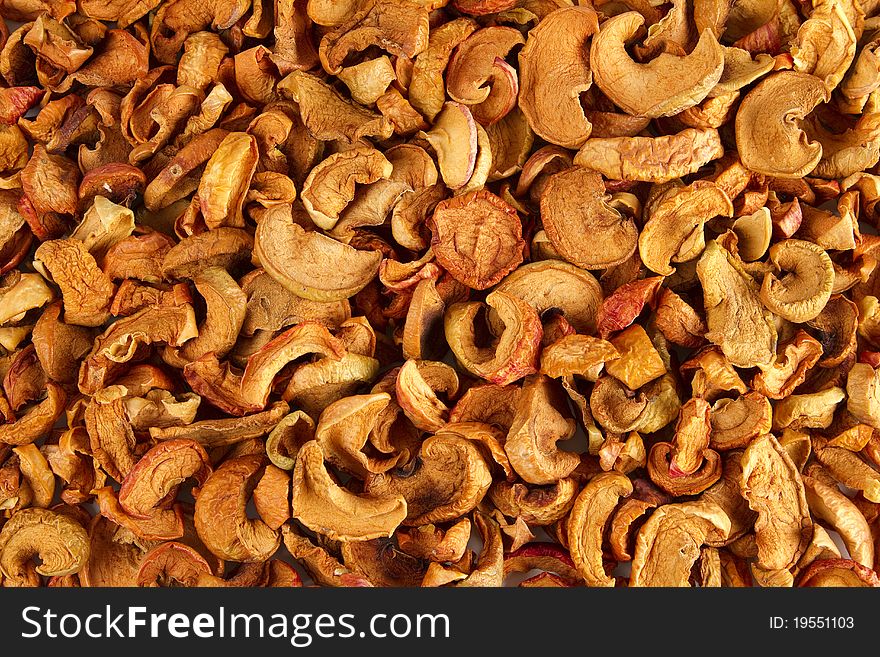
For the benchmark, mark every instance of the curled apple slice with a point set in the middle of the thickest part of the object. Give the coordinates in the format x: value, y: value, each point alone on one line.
x: 478, y: 76
x: 330, y: 186
x: 310, y: 264
x: 454, y: 138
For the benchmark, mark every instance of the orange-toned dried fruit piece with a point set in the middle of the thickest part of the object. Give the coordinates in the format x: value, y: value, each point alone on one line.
x: 838, y: 573
x: 513, y: 355
x: 674, y: 227
x: 126, y: 338
x: 50, y: 182
x: 790, y: 368
x: 555, y: 70
x: 774, y: 489
x: 582, y: 355
x: 691, y: 437
x: 330, y: 186
x: 541, y: 420
x: 59, y: 541
x: 172, y: 563
x: 272, y: 496
x: 327, y: 115
x: 400, y: 28
x: 674, y: 481
x: 220, y: 517
x: 668, y: 544
x: 662, y: 87
x: 427, y: 90
x: 586, y: 524
x: 678, y: 321
x: 308, y: 263
x: 322, y: 505
x: 625, y: 304
x: 13, y: 148
x: 581, y: 225
x: 477, y: 238
x: 447, y: 480
x: 16, y: 101
x: 157, y: 476
x: 558, y: 286
x: 736, y: 422
x: 124, y: 181
x: 479, y: 76
x: 738, y: 321
x: 455, y: 138
x: 652, y: 159
x: 483, y: 7
x: 639, y: 361
x: 87, y: 291
x: 769, y: 138
x: 226, y: 179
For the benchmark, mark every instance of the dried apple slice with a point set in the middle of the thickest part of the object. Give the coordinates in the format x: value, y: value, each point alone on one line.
x: 57, y: 540
x: 555, y: 284
x: 652, y: 159
x: 330, y: 186
x: 838, y: 573
x: 325, y: 507
x: 448, y: 479
x: 220, y: 517
x: 510, y: 142
x: 738, y: 321
x: 368, y: 80
x: 226, y: 180
x: 542, y: 420
x: 574, y: 205
x: 400, y: 28
x: 806, y: 286
x: 831, y: 506
x: 478, y: 76
x: 310, y: 264
x: 427, y: 90
x: 586, y: 524
x: 477, y: 237
x: 328, y: 115
x: 222, y: 247
x: 673, y: 222
x: 554, y: 71
x: 87, y: 291
x: 774, y: 489
x: 768, y: 135
x: 515, y: 353
x: 826, y: 42
x: 668, y: 544
x: 662, y: 87
x: 454, y: 138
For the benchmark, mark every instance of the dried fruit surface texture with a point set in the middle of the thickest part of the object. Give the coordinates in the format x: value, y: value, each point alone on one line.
x: 439, y: 292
